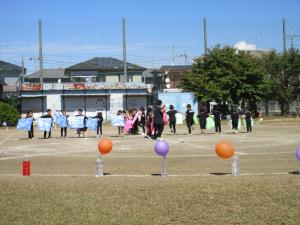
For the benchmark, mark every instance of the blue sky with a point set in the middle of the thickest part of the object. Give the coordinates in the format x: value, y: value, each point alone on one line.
x: 74, y: 31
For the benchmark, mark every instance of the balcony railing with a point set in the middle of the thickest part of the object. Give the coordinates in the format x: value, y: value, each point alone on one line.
x: 82, y: 86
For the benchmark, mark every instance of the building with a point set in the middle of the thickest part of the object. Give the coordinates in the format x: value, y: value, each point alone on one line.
x: 165, y: 84
x: 94, y: 86
x: 9, y: 79
x: 165, y: 77
x: 49, y: 76
x: 104, y: 69
x: 174, y: 74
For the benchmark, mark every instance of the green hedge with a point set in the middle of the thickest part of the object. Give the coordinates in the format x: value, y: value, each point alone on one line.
x: 8, y: 114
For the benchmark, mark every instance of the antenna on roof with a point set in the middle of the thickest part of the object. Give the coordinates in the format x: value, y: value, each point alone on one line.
x: 173, y: 62
x: 186, y: 57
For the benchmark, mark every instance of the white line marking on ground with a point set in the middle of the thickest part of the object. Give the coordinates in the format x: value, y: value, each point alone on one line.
x: 142, y: 175
x: 5, y: 139
x: 39, y: 155
x: 136, y: 156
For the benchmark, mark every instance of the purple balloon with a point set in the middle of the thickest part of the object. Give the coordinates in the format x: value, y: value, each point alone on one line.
x: 161, y: 148
x: 298, y: 154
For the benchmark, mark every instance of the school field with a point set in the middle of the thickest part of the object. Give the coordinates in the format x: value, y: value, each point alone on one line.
x: 63, y: 188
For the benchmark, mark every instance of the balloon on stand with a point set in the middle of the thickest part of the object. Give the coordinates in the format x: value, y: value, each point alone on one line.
x: 161, y: 148
x: 105, y: 146
x: 298, y: 154
x: 224, y: 149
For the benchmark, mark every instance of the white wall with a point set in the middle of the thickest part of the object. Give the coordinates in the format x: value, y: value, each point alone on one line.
x: 116, y: 104
x: 54, y: 102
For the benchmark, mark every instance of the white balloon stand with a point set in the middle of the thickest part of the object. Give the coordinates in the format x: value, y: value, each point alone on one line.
x: 164, y: 165
x: 235, y: 166
x: 99, y: 166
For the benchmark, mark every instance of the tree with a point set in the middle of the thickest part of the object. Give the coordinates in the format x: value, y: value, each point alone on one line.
x: 252, y: 79
x: 226, y: 75
x: 8, y: 114
x: 272, y: 65
x: 283, y: 72
x: 289, y: 80
x: 14, y: 101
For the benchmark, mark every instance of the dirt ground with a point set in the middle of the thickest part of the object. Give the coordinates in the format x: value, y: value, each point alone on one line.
x: 199, y: 189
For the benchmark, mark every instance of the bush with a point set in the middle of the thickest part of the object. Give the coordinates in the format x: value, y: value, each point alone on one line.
x: 8, y: 114
x: 14, y: 101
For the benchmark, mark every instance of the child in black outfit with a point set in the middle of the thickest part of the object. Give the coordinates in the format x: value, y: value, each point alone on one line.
x: 248, y: 116
x: 30, y: 132
x: 202, y: 120
x: 48, y: 115
x: 99, y: 123
x: 189, y: 117
x: 158, y: 119
x: 235, y: 121
x: 172, y: 119
x: 142, y: 120
x: 217, y: 119
x: 149, y: 122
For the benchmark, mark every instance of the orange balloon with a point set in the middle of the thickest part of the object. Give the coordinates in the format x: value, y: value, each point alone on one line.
x: 224, y: 149
x: 105, y: 146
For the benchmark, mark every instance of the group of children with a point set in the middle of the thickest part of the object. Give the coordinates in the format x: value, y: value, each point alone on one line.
x: 31, y: 131
x: 151, y: 122
x: 63, y: 129
x: 154, y: 119
x: 217, y: 117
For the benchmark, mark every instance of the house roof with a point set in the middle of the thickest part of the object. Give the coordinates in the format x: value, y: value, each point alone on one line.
x: 9, y: 66
x: 48, y: 74
x: 104, y: 63
x: 176, y: 67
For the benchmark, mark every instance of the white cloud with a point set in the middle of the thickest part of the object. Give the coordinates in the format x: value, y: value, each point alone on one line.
x: 243, y: 45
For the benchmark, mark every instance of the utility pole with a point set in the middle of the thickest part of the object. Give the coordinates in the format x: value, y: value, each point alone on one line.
x: 256, y: 42
x: 41, y: 53
x: 21, y: 76
x: 23, y: 71
x: 293, y: 36
x: 284, y: 35
x: 124, y: 50
x: 173, y: 62
x: 205, y: 35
